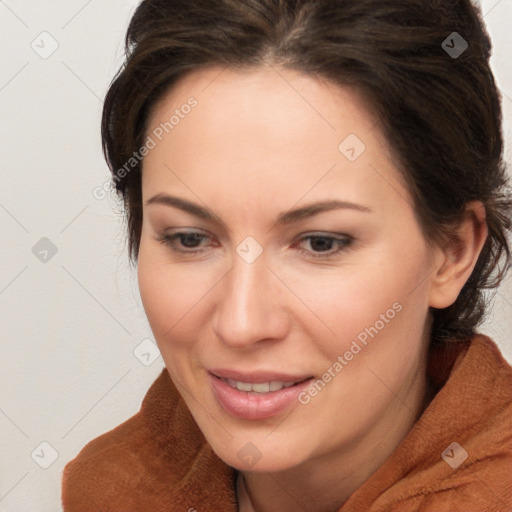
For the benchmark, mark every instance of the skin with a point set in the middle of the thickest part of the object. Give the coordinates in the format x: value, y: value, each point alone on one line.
x: 259, y: 143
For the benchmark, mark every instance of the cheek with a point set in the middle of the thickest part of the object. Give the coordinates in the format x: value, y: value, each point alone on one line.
x: 166, y: 302
x: 166, y: 293
x: 378, y: 300
x: 378, y: 325
x: 176, y: 301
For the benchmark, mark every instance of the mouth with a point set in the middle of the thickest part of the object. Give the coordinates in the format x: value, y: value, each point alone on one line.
x: 247, y: 399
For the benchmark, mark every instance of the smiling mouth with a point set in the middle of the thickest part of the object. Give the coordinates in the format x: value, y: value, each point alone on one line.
x: 256, y: 400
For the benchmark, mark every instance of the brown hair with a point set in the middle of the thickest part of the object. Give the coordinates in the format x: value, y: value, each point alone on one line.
x: 440, y: 112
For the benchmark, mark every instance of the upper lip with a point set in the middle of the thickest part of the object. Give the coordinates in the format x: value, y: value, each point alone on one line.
x: 257, y: 376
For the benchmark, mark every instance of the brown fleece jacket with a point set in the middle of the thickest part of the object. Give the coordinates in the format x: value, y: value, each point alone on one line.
x: 159, y: 461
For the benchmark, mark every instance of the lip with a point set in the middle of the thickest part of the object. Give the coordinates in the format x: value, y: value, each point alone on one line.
x: 255, y: 407
x: 257, y: 377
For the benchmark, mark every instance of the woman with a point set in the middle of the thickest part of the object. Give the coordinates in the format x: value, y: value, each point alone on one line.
x: 316, y: 200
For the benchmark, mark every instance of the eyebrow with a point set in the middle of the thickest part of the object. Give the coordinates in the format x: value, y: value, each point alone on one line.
x: 284, y: 218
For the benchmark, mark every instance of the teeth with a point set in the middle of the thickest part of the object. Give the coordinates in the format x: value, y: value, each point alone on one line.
x: 243, y: 386
x: 260, y: 387
x: 275, y: 386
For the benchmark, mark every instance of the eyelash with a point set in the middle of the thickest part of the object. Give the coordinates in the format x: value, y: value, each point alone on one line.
x: 343, y: 243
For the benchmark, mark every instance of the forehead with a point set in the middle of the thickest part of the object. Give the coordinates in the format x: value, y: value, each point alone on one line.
x: 270, y: 127
x: 275, y: 97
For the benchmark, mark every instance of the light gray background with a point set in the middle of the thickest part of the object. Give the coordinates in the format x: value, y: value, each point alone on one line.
x: 70, y: 325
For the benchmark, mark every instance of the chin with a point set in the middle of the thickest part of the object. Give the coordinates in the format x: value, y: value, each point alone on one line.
x: 257, y: 457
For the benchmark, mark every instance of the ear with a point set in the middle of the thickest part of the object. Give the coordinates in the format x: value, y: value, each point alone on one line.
x: 455, y: 262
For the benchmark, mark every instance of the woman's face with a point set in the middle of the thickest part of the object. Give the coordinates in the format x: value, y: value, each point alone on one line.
x: 278, y: 245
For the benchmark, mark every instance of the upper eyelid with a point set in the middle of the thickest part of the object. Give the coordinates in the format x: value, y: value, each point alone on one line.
x: 307, y: 234
x: 337, y: 237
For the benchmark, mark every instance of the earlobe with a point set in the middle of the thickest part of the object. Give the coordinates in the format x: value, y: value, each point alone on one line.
x: 455, y: 262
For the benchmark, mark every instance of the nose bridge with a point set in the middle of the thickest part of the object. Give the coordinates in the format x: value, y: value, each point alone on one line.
x: 248, y: 309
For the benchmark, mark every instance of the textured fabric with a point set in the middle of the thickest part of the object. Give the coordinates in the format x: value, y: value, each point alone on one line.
x: 158, y: 460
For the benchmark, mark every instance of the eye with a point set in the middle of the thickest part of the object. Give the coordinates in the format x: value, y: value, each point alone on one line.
x: 184, y: 242
x: 322, y: 245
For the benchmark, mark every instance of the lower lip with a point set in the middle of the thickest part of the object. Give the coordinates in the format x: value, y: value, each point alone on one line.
x: 255, y: 407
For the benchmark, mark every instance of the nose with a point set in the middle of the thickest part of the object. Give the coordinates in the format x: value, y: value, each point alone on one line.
x: 250, y: 307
